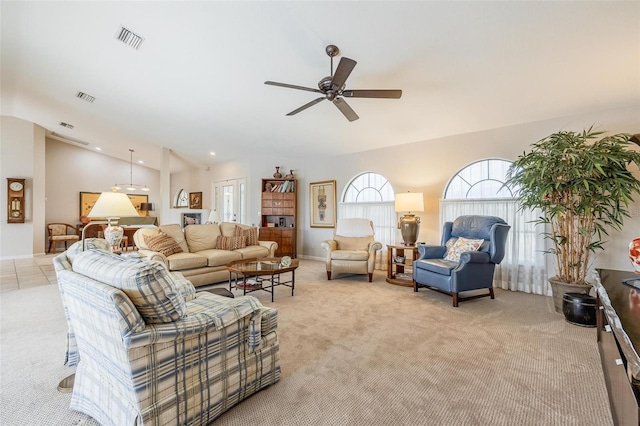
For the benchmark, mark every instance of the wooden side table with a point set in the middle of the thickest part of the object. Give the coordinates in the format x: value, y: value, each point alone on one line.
x: 399, y: 269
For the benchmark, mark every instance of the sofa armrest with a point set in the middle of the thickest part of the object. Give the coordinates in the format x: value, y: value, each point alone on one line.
x: 431, y: 252
x: 375, y: 246
x: 272, y: 246
x: 154, y: 256
x: 473, y: 257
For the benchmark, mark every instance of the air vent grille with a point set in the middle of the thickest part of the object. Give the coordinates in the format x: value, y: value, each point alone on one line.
x: 129, y: 38
x: 85, y: 97
x: 67, y: 125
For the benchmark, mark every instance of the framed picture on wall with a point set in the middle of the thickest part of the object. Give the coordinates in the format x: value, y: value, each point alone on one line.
x: 323, y: 204
x: 195, y: 200
x: 88, y: 200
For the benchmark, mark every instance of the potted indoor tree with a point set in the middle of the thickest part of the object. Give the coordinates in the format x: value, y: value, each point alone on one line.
x: 583, y: 186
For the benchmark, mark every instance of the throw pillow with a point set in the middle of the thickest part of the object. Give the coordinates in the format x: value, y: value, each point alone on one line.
x: 162, y: 243
x: 149, y: 285
x: 353, y: 243
x: 251, y: 235
x: 230, y: 243
x: 460, y: 246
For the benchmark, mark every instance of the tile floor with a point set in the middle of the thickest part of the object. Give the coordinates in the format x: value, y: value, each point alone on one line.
x: 24, y: 273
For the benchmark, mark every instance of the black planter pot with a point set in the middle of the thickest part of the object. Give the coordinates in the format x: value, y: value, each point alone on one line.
x: 579, y: 309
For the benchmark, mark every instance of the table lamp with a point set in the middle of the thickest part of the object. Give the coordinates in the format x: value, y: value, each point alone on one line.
x: 409, y: 223
x: 213, y: 217
x: 146, y: 207
x: 113, y: 205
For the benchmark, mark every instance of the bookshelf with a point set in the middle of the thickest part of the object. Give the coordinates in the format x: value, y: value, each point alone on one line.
x: 279, y: 214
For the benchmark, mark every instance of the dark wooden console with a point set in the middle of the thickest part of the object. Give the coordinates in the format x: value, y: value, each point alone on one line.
x: 618, y: 331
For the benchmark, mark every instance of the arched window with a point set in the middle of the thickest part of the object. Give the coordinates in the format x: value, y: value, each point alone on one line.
x: 370, y: 195
x: 482, y: 179
x: 479, y: 188
x: 182, y: 199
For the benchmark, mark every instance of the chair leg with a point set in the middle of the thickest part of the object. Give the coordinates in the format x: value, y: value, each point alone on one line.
x: 329, y: 275
x: 370, y: 276
x: 491, y: 292
x: 455, y: 299
x: 50, y: 245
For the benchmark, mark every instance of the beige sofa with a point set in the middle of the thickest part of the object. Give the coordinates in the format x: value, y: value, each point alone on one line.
x: 200, y: 261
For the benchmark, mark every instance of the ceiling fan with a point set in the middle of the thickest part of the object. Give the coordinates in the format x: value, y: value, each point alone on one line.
x: 332, y: 88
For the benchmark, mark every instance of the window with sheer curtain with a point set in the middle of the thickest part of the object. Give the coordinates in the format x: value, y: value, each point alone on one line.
x: 370, y: 195
x: 479, y: 189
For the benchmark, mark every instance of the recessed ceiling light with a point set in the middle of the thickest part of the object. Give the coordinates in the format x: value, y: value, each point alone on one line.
x: 98, y: 148
x: 140, y: 161
x: 212, y: 153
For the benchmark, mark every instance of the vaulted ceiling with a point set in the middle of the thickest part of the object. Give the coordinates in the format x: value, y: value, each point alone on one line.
x: 196, y: 82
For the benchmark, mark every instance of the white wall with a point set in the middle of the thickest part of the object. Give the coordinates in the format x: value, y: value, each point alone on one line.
x: 21, y: 145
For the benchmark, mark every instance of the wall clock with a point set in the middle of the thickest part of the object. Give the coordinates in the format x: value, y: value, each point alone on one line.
x: 15, y: 200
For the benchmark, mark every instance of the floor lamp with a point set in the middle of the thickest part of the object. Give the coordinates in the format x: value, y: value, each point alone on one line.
x: 409, y: 223
x: 112, y: 205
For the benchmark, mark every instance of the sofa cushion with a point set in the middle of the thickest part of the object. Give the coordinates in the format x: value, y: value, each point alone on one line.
x: 182, y: 261
x: 353, y: 243
x: 460, y: 246
x: 439, y: 266
x: 162, y: 243
x: 149, y: 285
x: 217, y: 257
x: 228, y: 229
x: 253, y: 252
x: 201, y: 237
x: 230, y: 243
x: 350, y: 255
x: 251, y: 235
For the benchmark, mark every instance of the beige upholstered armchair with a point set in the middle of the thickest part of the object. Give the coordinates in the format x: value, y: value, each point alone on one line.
x: 353, y: 248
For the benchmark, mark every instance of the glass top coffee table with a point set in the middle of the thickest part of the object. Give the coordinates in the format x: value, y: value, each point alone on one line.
x: 261, y: 274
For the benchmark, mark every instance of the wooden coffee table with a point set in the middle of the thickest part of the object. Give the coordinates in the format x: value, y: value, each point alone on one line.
x: 265, y: 272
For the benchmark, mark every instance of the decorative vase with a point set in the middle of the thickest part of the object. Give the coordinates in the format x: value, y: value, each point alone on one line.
x: 579, y: 309
x: 277, y: 174
x: 559, y: 288
x: 289, y: 175
x: 634, y: 254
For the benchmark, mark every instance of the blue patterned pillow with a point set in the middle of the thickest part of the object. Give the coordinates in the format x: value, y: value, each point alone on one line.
x: 149, y: 285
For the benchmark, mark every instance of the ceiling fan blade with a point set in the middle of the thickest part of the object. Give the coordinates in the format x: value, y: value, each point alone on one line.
x: 388, y: 94
x: 345, y: 109
x: 291, y: 86
x: 345, y: 67
x: 307, y: 105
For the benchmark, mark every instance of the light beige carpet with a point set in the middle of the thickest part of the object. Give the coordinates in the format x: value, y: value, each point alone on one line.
x: 359, y: 353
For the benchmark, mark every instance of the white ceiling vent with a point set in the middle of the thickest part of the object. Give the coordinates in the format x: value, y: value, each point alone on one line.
x: 85, y: 97
x: 129, y: 38
x: 67, y: 125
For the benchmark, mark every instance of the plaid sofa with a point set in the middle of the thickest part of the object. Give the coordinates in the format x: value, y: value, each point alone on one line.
x: 151, y: 351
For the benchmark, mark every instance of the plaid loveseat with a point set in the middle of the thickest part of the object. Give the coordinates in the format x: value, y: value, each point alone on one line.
x: 151, y: 351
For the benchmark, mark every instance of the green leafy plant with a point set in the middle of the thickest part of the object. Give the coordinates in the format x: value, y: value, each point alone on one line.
x: 583, y: 187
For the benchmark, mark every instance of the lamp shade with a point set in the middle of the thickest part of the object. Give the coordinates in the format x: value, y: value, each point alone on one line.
x: 213, y: 217
x: 113, y: 204
x: 146, y: 207
x: 409, y: 202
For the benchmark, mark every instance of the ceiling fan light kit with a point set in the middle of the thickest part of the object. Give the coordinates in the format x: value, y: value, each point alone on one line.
x: 332, y: 88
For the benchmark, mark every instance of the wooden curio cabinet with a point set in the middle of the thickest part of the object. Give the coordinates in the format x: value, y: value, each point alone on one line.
x: 279, y: 214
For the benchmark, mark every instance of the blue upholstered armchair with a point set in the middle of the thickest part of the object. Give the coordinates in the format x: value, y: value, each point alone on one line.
x: 471, y: 248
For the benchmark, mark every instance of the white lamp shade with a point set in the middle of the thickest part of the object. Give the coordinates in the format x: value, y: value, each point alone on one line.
x: 409, y: 202
x: 113, y: 204
x: 213, y: 217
